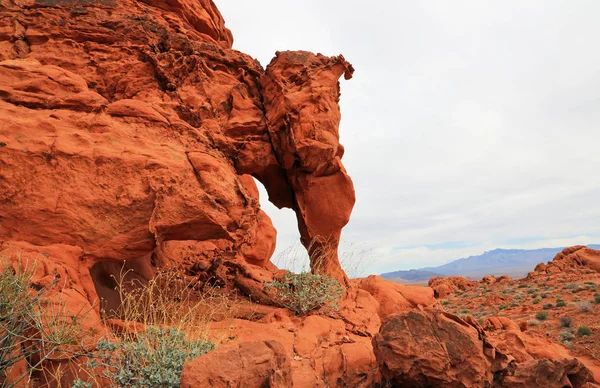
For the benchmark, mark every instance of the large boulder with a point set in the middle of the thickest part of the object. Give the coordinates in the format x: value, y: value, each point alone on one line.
x: 257, y: 364
x: 446, y: 285
x: 431, y: 348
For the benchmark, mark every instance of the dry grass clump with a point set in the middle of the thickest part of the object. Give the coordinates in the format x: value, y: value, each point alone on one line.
x: 295, y: 258
x: 585, y: 307
x: 165, y: 322
x: 305, y: 292
x: 34, y: 324
x: 170, y: 301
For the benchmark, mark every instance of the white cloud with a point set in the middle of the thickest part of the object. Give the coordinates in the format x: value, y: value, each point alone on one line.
x: 473, y: 122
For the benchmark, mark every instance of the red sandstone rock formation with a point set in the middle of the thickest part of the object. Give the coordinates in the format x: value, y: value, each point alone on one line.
x: 130, y: 132
x: 570, y: 259
x: 435, y: 349
x: 130, y: 129
x: 248, y: 364
x: 302, y: 89
x: 443, y: 285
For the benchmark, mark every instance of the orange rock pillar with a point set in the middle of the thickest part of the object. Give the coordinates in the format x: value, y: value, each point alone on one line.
x: 301, y: 94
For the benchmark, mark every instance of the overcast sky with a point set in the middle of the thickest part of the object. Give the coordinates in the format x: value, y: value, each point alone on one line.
x: 468, y: 125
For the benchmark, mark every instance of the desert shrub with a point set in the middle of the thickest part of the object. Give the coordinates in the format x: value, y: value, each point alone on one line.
x: 522, y: 286
x: 548, y: 306
x: 568, y: 344
x: 578, y: 289
x: 175, y: 317
x: 154, y: 359
x: 31, y: 327
x: 533, y: 322
x: 565, y: 321
x: 560, y: 303
x: 585, y: 307
x: 583, y: 331
x: 541, y: 315
x: 566, y: 335
x: 590, y: 286
x: 570, y: 286
x: 597, y: 298
x: 503, y: 306
x: 305, y: 291
x: 536, y: 301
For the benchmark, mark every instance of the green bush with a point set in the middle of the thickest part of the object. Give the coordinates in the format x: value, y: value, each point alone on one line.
x: 154, y: 358
x: 565, y: 321
x: 560, y: 303
x: 305, y: 292
x: 583, y: 331
x: 541, y: 316
x: 597, y: 298
x: 536, y: 301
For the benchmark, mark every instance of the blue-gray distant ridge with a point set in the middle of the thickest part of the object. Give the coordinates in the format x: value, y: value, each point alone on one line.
x: 512, y: 262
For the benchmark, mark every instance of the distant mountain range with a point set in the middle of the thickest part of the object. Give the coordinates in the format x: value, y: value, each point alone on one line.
x: 512, y: 262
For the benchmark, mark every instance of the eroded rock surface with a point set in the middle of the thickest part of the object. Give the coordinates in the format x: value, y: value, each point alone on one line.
x: 446, y: 285
x: 130, y: 131
x: 248, y: 364
x: 570, y: 259
x: 431, y: 348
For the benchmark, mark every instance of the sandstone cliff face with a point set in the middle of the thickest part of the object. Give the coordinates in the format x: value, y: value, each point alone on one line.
x: 129, y: 131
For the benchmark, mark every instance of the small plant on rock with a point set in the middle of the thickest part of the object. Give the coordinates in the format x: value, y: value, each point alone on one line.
x: 541, y: 315
x: 583, y: 331
x: 305, y: 292
x: 566, y: 335
x: 32, y: 326
x: 533, y: 322
x: 565, y: 321
x: 585, y: 307
x: 154, y: 359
